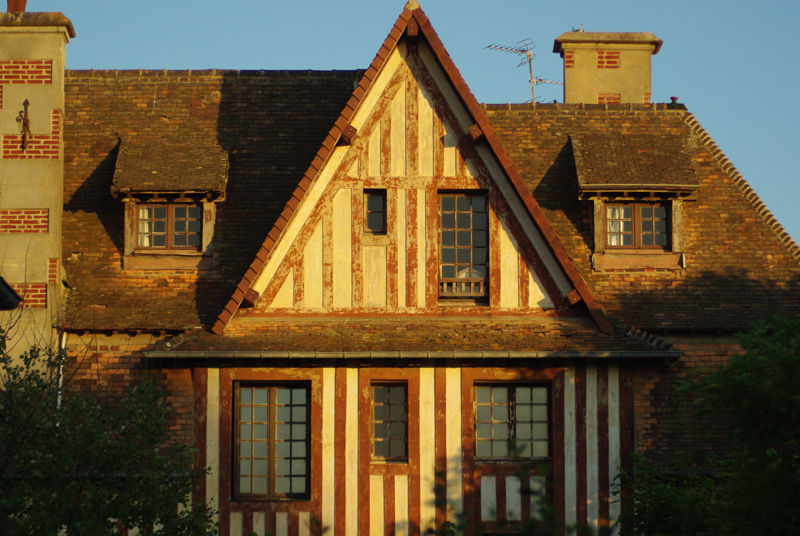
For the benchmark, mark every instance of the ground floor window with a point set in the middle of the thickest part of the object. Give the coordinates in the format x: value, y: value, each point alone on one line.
x: 272, y: 441
x: 512, y: 421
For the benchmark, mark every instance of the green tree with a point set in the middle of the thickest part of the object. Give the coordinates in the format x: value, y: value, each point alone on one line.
x: 89, y: 463
x: 755, y: 399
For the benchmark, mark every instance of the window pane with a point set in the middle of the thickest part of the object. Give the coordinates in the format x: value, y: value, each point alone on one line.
x: 283, y: 449
x: 500, y: 395
x: 463, y: 203
x: 647, y: 212
x: 260, y: 449
x: 463, y: 238
x: 375, y: 202
x: 462, y: 220
x: 448, y: 271
x: 159, y: 241
x: 195, y: 212
x: 478, y: 203
x: 262, y: 396
x: 448, y: 255
x: 448, y: 238
x: 299, y: 414
x: 448, y: 221
x: 244, y: 485
x: 484, y: 395
x: 245, y: 414
x: 160, y: 213
x: 479, y: 221
x: 397, y: 395
x: 381, y: 449
x: 479, y: 238
x: 448, y: 203
x: 381, y: 430
x: 260, y: 414
x: 483, y: 449
x: 375, y: 222
x: 245, y: 396
x: 259, y: 431
x: 179, y: 240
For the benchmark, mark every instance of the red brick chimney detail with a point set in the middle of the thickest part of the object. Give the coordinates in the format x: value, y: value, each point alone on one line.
x: 16, y: 5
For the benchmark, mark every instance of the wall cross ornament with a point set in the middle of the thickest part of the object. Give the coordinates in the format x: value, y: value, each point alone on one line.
x: 23, y: 119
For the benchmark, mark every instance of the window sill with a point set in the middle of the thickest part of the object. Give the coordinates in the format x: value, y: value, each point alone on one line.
x: 638, y: 260
x: 463, y: 302
x: 167, y: 260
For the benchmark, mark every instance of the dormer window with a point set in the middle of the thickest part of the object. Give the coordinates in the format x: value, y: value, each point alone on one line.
x: 637, y: 225
x: 169, y: 227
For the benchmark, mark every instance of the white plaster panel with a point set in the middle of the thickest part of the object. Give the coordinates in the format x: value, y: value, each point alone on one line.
x: 455, y: 491
x: 537, y: 297
x: 427, y: 448
x: 284, y: 299
x: 212, y: 439
x: 343, y: 248
x: 398, y: 135
x: 374, y: 276
x: 402, y: 233
x: 312, y: 270
x: 614, y: 440
x: 422, y: 245
x: 351, y: 453
x: 509, y: 268
x: 259, y: 523
x: 376, y: 513
x: 592, y: 453
x: 374, y: 151
x: 426, y: 134
x: 328, y: 446
x: 304, y: 524
x: 401, y: 522
x: 513, y: 498
x: 489, y: 498
x: 570, y: 449
x: 236, y: 524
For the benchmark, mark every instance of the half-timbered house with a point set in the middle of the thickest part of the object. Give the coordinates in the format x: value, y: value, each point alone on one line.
x: 373, y: 300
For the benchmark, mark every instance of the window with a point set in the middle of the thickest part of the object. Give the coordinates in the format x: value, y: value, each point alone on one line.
x: 463, y: 245
x: 389, y: 422
x: 375, y: 211
x: 511, y: 418
x: 637, y: 225
x: 272, y: 441
x: 169, y: 226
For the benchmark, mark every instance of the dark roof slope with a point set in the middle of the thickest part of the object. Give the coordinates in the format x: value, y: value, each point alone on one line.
x: 537, y: 334
x: 740, y: 262
x: 616, y: 161
x: 269, y: 124
x: 155, y: 163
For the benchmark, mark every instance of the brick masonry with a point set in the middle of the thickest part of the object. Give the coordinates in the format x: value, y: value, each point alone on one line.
x: 607, y: 59
x: 26, y: 72
x: 112, y: 365
x: 40, y: 146
x: 607, y: 98
x: 646, y: 98
x: 666, y: 426
x: 569, y: 59
x: 34, y: 295
x: 24, y: 221
x: 52, y: 271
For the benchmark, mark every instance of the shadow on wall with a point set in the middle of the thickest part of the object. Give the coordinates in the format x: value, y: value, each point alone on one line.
x: 271, y: 124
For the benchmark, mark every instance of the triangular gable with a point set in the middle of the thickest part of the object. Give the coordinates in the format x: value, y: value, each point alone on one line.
x: 524, y: 220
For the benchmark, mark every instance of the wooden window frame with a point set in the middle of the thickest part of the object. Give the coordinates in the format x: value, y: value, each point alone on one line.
x: 463, y: 288
x: 272, y: 441
x: 374, y: 422
x: 169, y: 227
x: 379, y: 193
x: 636, y: 220
x: 512, y: 457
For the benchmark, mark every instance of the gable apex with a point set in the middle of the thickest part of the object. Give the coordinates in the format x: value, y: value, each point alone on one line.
x: 570, y: 283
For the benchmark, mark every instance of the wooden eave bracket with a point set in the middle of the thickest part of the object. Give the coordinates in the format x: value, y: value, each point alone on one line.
x: 573, y: 296
x: 412, y: 29
x: 475, y: 133
x: 349, y: 134
x: 250, y: 298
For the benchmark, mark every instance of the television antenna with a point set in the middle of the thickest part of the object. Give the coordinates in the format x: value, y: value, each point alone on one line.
x: 525, y: 48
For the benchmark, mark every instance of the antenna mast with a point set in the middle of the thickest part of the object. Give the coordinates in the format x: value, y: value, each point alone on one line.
x: 525, y: 48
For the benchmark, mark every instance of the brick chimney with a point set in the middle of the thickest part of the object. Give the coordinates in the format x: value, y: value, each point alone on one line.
x: 16, y: 6
x: 606, y: 67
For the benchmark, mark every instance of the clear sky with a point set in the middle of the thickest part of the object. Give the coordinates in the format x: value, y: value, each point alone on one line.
x: 732, y: 62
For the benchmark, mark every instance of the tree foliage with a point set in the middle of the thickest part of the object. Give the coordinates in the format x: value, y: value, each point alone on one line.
x: 756, y: 400
x: 88, y: 463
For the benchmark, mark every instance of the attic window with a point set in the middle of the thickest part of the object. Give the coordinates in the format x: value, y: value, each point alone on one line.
x: 375, y: 211
x: 637, y: 225
x: 464, y: 245
x: 168, y: 231
x: 169, y: 226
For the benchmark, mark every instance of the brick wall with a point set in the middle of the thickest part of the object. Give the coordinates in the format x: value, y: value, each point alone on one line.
x: 24, y: 221
x: 52, y: 270
x: 569, y: 59
x: 47, y: 146
x: 112, y: 365
x: 26, y: 72
x: 33, y: 294
x: 607, y: 59
x: 666, y: 426
x: 607, y: 98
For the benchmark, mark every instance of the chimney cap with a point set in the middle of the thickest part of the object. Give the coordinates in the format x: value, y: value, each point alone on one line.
x: 627, y: 38
x: 37, y: 19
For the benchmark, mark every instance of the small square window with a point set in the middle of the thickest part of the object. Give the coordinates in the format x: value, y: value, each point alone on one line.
x: 375, y: 211
x: 390, y: 422
x: 169, y: 226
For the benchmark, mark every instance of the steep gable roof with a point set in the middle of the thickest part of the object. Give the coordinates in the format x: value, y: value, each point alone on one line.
x: 412, y: 21
x: 739, y: 262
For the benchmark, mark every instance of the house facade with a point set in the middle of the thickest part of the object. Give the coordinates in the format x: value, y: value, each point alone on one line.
x: 372, y: 301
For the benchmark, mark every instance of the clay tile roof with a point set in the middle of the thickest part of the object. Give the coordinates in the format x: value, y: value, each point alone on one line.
x: 628, y: 38
x: 614, y: 161
x: 156, y: 165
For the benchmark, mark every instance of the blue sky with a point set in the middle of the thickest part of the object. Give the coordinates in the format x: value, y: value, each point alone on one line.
x: 733, y: 62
